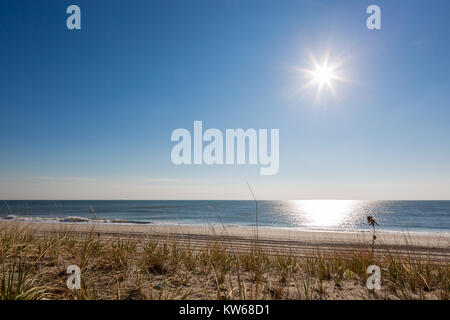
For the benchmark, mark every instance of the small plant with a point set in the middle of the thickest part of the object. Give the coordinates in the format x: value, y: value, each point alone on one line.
x: 18, y: 284
x: 371, y: 222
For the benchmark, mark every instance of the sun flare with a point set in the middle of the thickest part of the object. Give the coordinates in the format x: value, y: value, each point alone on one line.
x: 324, y: 74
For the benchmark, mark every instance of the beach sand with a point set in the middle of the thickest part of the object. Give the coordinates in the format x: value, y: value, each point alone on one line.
x: 276, y: 240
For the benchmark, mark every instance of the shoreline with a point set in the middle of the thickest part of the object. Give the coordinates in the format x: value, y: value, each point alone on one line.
x: 76, y: 220
x: 431, y: 240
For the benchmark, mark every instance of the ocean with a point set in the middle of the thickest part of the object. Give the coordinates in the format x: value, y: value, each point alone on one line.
x: 333, y: 215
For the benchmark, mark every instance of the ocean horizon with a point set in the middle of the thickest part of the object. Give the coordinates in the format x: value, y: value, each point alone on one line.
x: 331, y: 215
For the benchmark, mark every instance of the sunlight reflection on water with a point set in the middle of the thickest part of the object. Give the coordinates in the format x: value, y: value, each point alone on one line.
x: 325, y: 213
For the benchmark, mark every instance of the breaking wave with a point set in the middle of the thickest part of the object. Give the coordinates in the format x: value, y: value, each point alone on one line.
x: 70, y: 219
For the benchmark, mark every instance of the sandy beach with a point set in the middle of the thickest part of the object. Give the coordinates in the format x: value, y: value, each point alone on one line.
x: 300, y: 243
x: 279, y: 241
x: 432, y: 242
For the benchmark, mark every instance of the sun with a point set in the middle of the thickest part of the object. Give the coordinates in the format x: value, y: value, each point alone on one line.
x: 323, y: 74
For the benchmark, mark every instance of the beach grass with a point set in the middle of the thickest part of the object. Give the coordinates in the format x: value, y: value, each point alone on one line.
x: 33, y: 266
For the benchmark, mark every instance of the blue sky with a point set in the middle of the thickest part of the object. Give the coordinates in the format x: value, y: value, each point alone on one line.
x: 88, y: 114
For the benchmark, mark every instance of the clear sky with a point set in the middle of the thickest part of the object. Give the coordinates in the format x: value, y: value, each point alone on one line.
x: 88, y: 114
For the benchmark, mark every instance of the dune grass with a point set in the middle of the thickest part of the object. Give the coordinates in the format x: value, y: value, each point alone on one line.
x: 33, y: 266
